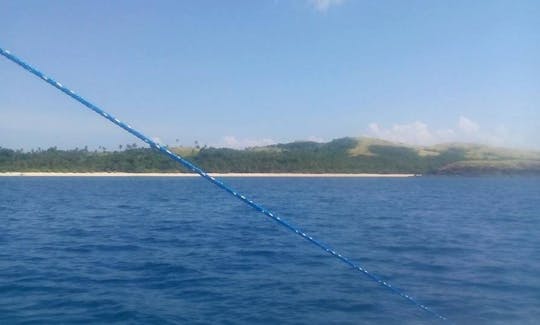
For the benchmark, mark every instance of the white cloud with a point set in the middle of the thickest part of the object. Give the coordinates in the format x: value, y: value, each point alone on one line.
x: 324, y: 5
x: 314, y: 138
x: 157, y: 140
x: 467, y: 125
x: 235, y: 143
x: 419, y: 133
x: 413, y: 133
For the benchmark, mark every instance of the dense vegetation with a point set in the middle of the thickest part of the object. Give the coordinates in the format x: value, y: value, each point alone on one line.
x: 346, y: 155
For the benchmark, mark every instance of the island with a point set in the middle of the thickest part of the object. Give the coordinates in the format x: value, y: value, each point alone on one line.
x: 339, y: 157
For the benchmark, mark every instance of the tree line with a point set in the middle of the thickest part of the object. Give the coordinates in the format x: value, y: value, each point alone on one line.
x: 297, y: 157
x: 306, y: 157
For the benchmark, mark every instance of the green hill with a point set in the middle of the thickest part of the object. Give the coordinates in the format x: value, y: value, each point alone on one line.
x: 345, y: 155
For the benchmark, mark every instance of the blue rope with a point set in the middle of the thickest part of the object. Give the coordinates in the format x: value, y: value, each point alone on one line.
x: 215, y: 181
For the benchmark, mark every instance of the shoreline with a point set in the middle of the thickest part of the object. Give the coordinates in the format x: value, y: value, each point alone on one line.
x: 119, y: 174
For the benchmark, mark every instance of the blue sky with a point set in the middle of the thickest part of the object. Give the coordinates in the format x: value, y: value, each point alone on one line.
x: 243, y: 73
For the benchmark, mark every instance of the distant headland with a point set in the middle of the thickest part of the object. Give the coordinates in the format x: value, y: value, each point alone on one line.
x: 344, y: 157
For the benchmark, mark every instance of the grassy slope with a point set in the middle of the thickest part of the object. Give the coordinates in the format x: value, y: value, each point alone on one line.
x: 455, y: 158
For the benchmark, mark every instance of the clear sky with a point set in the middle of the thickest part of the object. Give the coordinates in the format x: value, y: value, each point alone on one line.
x: 242, y: 73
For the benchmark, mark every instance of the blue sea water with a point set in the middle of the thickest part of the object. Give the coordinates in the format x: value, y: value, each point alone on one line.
x: 180, y: 251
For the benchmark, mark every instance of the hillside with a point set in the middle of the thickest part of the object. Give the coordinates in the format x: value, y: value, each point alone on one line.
x: 345, y: 155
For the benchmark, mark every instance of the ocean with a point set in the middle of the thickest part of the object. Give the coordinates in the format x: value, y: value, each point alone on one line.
x: 180, y: 251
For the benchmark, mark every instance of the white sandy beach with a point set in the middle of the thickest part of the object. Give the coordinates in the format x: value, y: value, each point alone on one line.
x: 115, y: 174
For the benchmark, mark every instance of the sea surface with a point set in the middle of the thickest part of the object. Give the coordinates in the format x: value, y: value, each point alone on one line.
x: 180, y: 251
